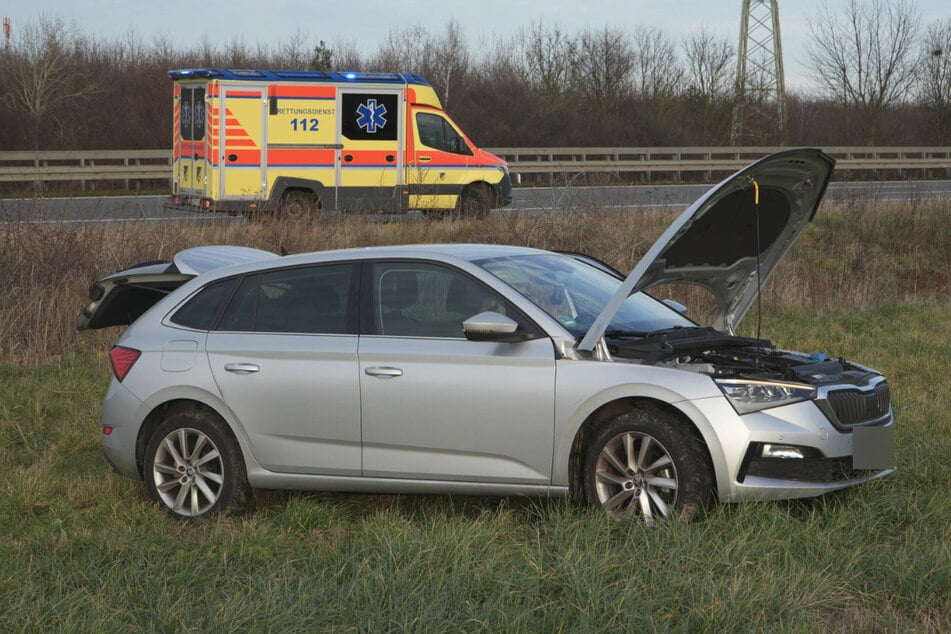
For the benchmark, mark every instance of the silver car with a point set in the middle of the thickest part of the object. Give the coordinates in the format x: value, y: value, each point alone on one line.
x: 488, y: 370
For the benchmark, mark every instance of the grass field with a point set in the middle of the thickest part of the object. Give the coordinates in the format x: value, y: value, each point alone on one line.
x: 82, y: 549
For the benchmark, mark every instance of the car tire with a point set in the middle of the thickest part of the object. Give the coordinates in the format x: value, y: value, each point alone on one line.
x: 297, y: 205
x: 474, y: 203
x: 194, y: 468
x: 646, y: 465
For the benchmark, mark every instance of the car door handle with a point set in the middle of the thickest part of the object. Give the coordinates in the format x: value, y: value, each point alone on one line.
x: 383, y: 372
x: 424, y: 159
x: 241, y: 368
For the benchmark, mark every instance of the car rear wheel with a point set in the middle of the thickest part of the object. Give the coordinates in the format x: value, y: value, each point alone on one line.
x: 647, y: 465
x: 194, y: 468
x: 296, y: 205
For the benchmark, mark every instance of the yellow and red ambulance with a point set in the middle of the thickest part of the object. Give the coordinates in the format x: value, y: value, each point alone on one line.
x: 296, y: 142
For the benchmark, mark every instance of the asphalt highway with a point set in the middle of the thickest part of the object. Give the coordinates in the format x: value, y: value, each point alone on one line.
x: 526, y: 200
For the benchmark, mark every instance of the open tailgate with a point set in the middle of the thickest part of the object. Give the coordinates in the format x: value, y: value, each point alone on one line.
x: 121, y: 298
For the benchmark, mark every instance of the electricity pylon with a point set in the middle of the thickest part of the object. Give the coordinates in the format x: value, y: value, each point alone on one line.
x: 759, y: 115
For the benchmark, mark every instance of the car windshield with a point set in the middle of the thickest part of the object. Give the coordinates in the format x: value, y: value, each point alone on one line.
x: 574, y: 293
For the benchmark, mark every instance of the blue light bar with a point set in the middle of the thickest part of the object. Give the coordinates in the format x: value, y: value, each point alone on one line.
x: 296, y: 75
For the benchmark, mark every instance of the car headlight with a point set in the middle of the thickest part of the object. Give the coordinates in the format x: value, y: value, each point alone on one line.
x: 753, y: 396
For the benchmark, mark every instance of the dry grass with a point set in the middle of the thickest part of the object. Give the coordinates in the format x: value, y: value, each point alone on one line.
x: 84, y: 550
x: 860, y: 254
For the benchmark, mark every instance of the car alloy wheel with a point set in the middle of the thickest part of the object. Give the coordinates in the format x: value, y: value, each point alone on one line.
x: 193, y: 468
x: 636, y: 476
x: 647, y: 465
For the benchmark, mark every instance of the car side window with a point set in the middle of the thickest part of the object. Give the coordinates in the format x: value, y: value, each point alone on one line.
x: 413, y: 299
x: 310, y: 300
x: 437, y: 133
x: 201, y: 310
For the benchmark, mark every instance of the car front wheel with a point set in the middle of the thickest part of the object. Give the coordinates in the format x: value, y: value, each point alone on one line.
x: 194, y: 468
x: 647, y: 465
x: 474, y: 203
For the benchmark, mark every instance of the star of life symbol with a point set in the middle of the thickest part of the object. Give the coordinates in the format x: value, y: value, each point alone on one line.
x: 371, y: 116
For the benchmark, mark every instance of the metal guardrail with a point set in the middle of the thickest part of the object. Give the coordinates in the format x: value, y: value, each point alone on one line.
x: 131, y: 167
x: 672, y: 162
x: 88, y: 167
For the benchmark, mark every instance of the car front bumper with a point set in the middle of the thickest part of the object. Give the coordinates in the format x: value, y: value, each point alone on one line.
x: 830, y: 461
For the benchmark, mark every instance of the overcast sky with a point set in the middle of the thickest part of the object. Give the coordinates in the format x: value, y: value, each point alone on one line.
x: 366, y: 22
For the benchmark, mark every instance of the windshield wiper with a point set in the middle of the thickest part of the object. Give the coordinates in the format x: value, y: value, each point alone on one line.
x: 621, y: 333
x: 678, y: 332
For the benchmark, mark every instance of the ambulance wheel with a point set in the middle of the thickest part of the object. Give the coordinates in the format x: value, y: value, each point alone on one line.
x: 474, y: 203
x: 296, y: 205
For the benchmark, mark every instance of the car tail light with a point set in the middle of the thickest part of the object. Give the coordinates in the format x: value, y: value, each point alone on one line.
x: 122, y: 360
x: 95, y: 291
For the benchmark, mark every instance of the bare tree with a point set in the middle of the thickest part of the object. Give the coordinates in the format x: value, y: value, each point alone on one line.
x: 935, y: 82
x: 42, y: 74
x: 403, y: 50
x: 495, y: 113
x: 657, y: 70
x: 864, y: 58
x: 447, y: 59
x: 297, y: 51
x: 347, y: 56
x: 604, y: 66
x: 709, y: 63
x: 443, y: 60
x: 709, y: 83
x: 549, y: 56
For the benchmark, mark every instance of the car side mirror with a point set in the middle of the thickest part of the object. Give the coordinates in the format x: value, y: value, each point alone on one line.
x: 492, y: 326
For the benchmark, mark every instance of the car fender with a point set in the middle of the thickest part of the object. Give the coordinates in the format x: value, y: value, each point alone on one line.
x: 207, y: 399
x: 583, y: 392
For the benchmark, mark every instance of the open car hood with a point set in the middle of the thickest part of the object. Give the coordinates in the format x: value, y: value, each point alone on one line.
x: 121, y: 298
x: 714, y: 242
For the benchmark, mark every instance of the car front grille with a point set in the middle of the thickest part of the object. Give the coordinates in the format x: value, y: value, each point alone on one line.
x: 855, y: 407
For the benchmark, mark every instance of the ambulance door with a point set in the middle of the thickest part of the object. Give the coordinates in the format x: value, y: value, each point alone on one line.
x: 439, y: 165
x: 302, y: 136
x: 190, y: 155
x: 370, y: 176
x: 241, y: 152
